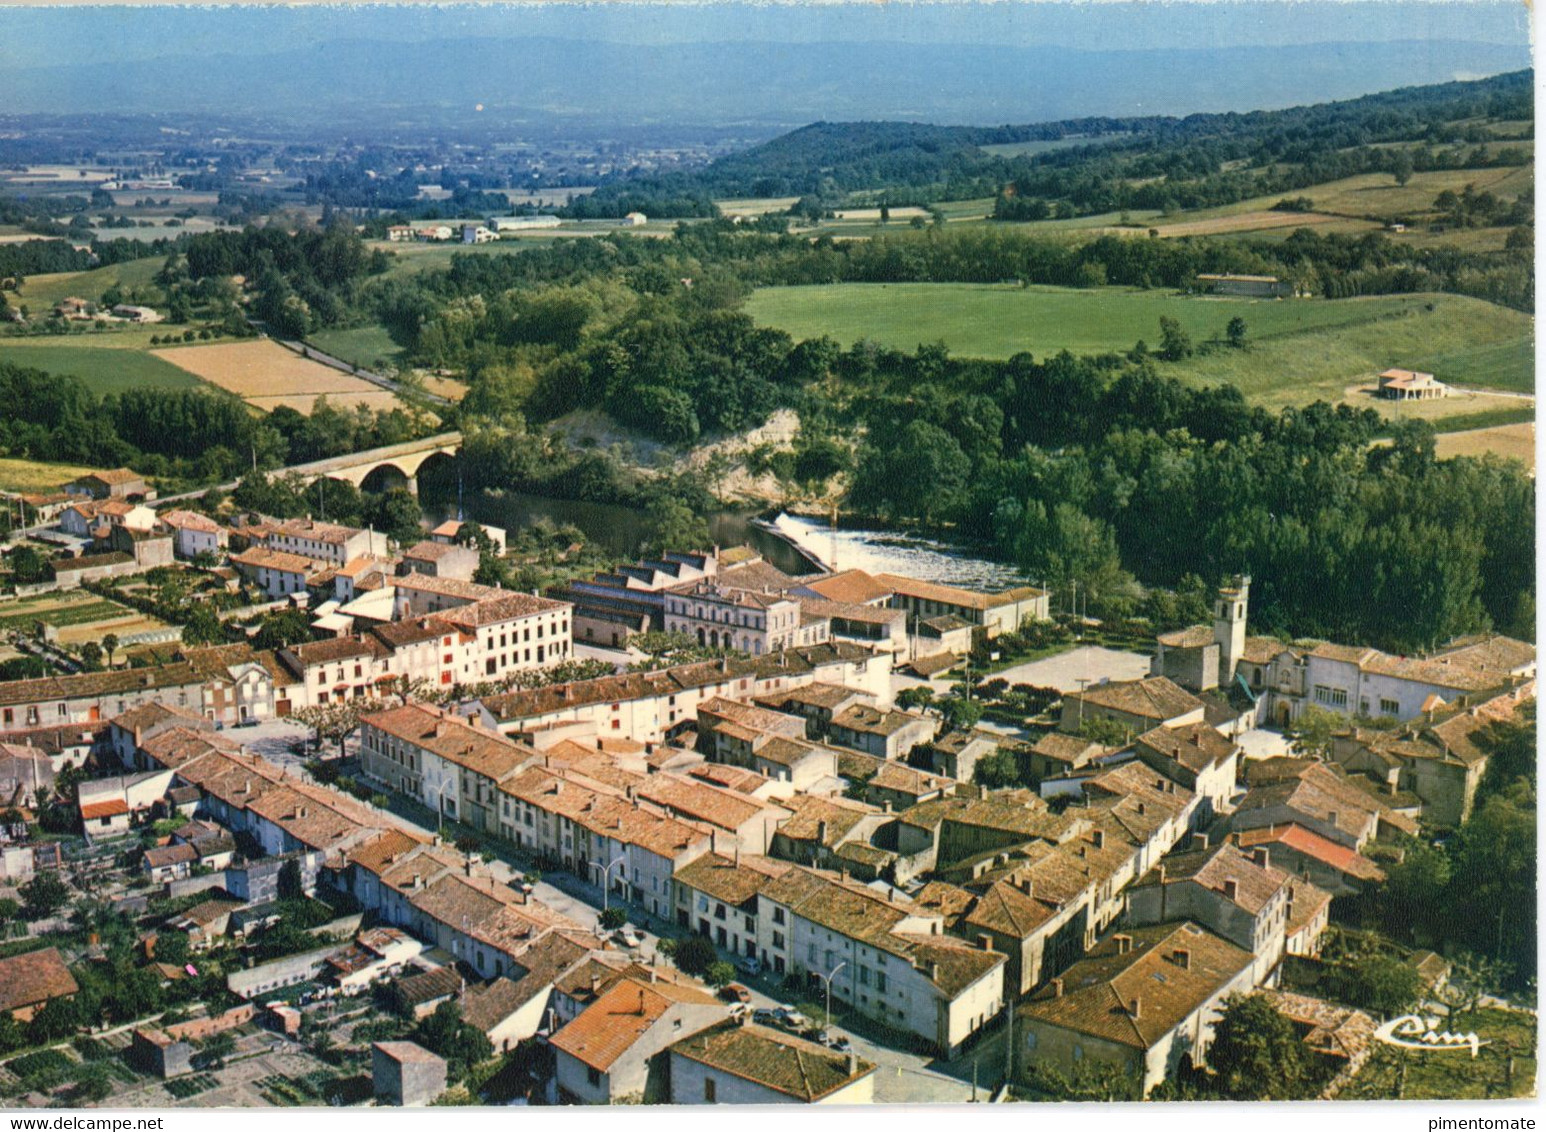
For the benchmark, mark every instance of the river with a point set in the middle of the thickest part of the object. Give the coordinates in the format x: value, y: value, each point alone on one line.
x: 621, y: 531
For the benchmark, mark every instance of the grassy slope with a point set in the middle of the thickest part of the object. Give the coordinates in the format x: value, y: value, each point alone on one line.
x: 104, y: 369
x: 41, y: 292
x: 1299, y: 350
x: 363, y: 346
x: 35, y: 475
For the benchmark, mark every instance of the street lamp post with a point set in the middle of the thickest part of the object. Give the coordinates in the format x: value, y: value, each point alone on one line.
x: 605, y: 873
x: 827, y: 979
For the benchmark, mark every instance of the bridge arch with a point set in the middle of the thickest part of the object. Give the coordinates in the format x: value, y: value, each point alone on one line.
x: 385, y: 476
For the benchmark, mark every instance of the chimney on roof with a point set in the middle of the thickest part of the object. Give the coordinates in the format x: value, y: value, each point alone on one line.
x: 1057, y: 988
x: 654, y: 974
x: 1199, y: 841
x: 1231, y: 888
x: 641, y: 1001
x: 933, y: 972
x: 1098, y: 836
x: 985, y: 941
x: 1159, y: 872
x: 1124, y: 943
x: 853, y: 1058
x: 1260, y: 857
x: 1183, y: 958
x: 1331, y: 817
x: 595, y: 985
x: 821, y: 832
x: 1027, y: 886
x: 1135, y: 1008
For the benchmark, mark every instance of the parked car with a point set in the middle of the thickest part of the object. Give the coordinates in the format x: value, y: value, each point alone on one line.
x: 792, y: 1018
x: 750, y: 965
x: 839, y: 1042
x: 766, y: 1016
x: 628, y: 937
x: 735, y: 992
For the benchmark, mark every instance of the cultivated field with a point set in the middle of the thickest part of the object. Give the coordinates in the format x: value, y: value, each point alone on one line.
x: 266, y: 375
x: 1257, y: 221
x: 103, y: 364
x: 28, y: 476
x: 1515, y: 441
x: 77, y: 615
x: 755, y: 206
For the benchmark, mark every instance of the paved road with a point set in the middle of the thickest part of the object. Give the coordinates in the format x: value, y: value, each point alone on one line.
x: 307, y: 350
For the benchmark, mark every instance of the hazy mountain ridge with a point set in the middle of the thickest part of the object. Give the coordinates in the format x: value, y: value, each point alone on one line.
x: 776, y: 84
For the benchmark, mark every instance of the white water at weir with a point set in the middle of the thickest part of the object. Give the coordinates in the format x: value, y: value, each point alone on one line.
x: 894, y: 552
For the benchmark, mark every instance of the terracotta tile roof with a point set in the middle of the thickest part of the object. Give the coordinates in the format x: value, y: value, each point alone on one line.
x: 258, y: 557
x: 1197, y: 636
x: 730, y: 777
x: 808, y: 812
x: 90, y: 811
x: 698, y: 802
x: 1099, y: 990
x: 484, y: 752
x: 888, y: 774
x: 336, y: 649
x: 870, y: 720
x: 113, y: 476
x: 88, y: 685
x: 407, y: 1052
x: 152, y: 713
x: 34, y: 977
x: 164, y: 855
x: 1305, y: 902
x: 1156, y: 697
x: 427, y: 986
x: 312, y: 818
x: 494, y: 610
x: 1320, y: 792
x: 1073, y: 750
x: 951, y: 964
x: 316, y: 530
x: 177, y: 746
x: 854, y: 586
x: 555, y: 698
x: 732, y: 881
x: 953, y: 595
x: 189, y: 520
x: 1010, y: 911
x: 775, y: 1060
x: 1313, y: 845
x: 625, y: 1012
x: 427, y: 551
x: 1493, y: 653
x: 1333, y: 1030
x: 1263, y: 650
x: 1196, y: 746
x: 1217, y: 867
x: 818, y: 695
x: 945, y: 899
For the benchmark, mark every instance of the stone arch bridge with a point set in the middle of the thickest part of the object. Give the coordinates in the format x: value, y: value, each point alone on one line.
x: 379, y: 469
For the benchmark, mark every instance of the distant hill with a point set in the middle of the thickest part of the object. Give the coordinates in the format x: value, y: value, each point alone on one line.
x: 830, y: 159
x: 776, y: 85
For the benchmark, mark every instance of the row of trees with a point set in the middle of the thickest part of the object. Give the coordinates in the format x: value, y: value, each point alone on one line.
x: 198, y: 434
